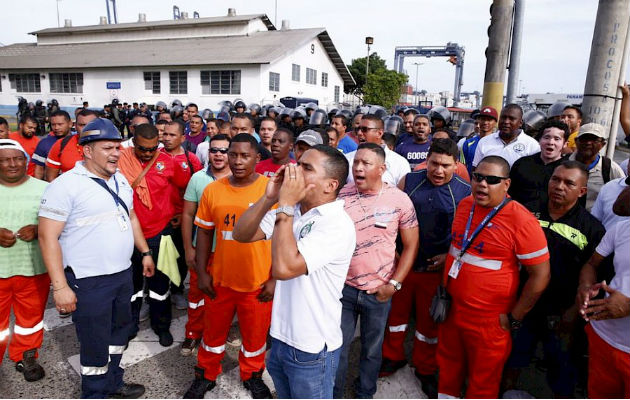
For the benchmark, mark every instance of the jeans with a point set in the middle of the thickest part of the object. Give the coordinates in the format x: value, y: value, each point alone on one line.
x: 300, y: 375
x: 373, y: 322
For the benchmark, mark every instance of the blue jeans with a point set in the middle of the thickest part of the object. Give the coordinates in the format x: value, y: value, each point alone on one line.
x: 373, y: 322
x: 300, y: 375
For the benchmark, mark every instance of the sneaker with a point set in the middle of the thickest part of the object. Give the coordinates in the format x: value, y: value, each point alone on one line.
x: 189, y: 346
x: 257, y: 386
x: 128, y: 391
x: 144, y: 312
x: 429, y: 384
x: 180, y: 301
x: 388, y: 367
x: 234, y: 336
x: 199, y: 386
x: 165, y: 338
x: 30, y: 367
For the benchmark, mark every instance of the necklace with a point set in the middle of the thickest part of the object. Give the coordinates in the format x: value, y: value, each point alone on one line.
x: 379, y: 224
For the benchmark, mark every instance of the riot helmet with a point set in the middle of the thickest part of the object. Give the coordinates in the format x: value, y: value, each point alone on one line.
x: 254, y: 108
x: 298, y: 113
x: 318, y: 117
x: 466, y: 128
x: 177, y: 103
x: 207, y: 114
x: 533, y: 120
x: 556, y: 109
x: 240, y: 104
x: 393, y: 124
x: 441, y: 113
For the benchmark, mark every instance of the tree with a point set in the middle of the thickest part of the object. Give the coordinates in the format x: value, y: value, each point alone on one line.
x: 357, y: 69
x: 384, y: 88
x: 384, y: 85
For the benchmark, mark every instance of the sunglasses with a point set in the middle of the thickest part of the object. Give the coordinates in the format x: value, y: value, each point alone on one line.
x: 364, y: 129
x: 491, y: 179
x: 215, y: 150
x: 143, y: 149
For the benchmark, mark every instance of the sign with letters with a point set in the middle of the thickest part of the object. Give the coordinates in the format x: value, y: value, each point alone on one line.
x: 113, y: 85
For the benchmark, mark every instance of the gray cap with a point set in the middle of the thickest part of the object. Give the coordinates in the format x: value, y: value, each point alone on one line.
x: 310, y: 137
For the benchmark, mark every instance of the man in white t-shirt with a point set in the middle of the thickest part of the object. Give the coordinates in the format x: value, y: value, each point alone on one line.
x: 608, y: 338
x: 306, y: 317
x: 509, y: 141
x: 370, y: 130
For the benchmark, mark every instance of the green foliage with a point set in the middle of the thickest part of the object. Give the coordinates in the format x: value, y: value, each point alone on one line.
x: 384, y: 86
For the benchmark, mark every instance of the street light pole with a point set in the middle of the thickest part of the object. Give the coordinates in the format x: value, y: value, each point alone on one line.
x: 416, y: 87
x: 369, y: 41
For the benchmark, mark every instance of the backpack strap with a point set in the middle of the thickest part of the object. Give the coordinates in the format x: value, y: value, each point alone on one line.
x: 606, y: 164
x: 64, y: 143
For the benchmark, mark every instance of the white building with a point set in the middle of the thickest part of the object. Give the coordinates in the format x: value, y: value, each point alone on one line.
x: 201, y: 60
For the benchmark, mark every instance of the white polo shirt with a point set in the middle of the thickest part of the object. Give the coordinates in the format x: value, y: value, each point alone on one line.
x: 617, y: 240
x: 307, y: 309
x: 93, y: 241
x: 492, y: 145
x: 602, y: 209
x: 397, y: 166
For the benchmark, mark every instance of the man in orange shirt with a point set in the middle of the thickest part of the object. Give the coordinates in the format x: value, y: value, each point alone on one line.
x: 239, y: 279
x: 491, y: 236
x: 25, y: 136
x: 65, y: 153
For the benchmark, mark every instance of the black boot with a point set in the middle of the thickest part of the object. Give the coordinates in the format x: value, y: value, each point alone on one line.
x: 199, y: 386
x: 30, y: 367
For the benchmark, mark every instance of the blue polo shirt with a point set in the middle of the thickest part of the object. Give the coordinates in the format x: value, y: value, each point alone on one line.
x: 43, y: 148
x: 347, y: 145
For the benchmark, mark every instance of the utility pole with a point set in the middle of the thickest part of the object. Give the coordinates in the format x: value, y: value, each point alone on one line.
x: 416, y: 87
x: 497, y: 52
x: 515, y: 52
x: 606, y: 67
x: 58, y: 23
x: 369, y: 41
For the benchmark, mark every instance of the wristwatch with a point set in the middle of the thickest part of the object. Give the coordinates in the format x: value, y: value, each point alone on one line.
x: 287, y: 210
x: 147, y: 253
x: 397, y: 285
x: 515, y: 324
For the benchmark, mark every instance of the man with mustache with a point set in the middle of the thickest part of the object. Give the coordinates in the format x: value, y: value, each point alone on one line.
x: 492, y: 238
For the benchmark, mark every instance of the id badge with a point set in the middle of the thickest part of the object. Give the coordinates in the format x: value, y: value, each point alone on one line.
x: 122, y: 222
x: 455, y: 268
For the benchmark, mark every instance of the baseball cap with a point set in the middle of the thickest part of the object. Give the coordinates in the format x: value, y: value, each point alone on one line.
x: 13, y: 145
x: 593, y: 129
x: 310, y: 137
x: 488, y: 112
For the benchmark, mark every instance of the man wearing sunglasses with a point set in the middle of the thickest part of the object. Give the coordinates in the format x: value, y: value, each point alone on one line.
x: 218, y: 168
x: 508, y: 142
x: 601, y: 169
x: 153, y: 180
x: 370, y: 130
x: 492, y: 238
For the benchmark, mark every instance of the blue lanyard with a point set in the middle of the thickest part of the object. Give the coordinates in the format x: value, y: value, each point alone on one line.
x: 469, y: 239
x: 117, y: 199
x: 593, y: 164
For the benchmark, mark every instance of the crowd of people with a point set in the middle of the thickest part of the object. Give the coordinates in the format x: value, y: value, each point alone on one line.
x: 300, y: 224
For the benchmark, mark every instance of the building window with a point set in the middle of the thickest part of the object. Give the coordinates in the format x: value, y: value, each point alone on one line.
x: 311, y: 76
x: 152, y: 82
x: 274, y: 82
x: 66, y: 82
x: 324, y: 79
x: 221, y: 82
x: 178, y: 82
x: 295, y: 73
x: 336, y: 94
x: 25, y: 83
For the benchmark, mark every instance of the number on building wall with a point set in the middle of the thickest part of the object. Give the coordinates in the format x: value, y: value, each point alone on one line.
x: 313, y: 49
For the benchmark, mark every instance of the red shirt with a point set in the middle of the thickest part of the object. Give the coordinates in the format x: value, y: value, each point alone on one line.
x: 488, y: 281
x: 182, y: 174
x: 29, y: 145
x: 268, y: 167
x: 70, y: 154
x: 161, y: 180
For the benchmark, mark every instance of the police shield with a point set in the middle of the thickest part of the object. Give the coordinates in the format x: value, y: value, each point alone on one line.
x: 318, y: 117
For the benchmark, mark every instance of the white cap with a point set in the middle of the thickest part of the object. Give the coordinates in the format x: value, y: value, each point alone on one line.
x: 13, y: 145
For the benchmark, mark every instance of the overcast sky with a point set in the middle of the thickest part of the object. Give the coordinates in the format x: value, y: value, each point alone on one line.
x: 555, y: 51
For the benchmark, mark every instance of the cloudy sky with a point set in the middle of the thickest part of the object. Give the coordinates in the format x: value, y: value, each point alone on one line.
x: 556, y: 37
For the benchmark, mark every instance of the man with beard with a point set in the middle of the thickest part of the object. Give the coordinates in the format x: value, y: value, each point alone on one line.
x: 415, y: 151
x: 267, y: 128
x: 66, y: 152
x: 601, y: 169
x: 281, y: 147
x: 25, y: 136
x: 509, y: 142
x: 218, y: 168
x: 530, y: 175
x: 61, y: 126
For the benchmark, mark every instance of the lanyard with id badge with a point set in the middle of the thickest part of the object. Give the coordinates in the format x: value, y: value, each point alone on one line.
x: 123, y: 222
x: 457, y: 263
